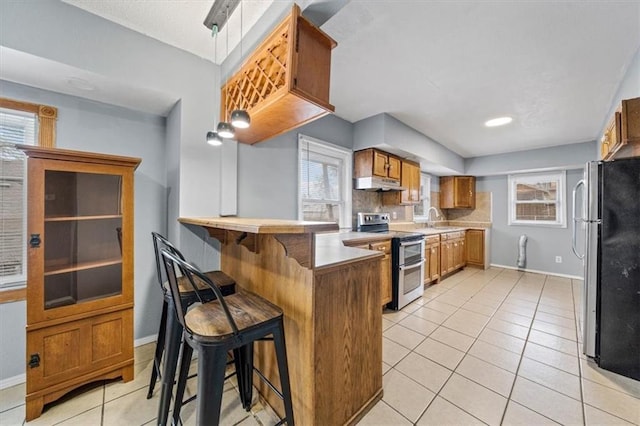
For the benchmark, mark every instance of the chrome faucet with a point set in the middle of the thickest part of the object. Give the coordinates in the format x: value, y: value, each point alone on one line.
x: 430, y: 223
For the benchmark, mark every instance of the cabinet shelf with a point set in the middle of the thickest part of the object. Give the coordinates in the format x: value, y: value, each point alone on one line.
x: 74, y: 218
x: 82, y: 266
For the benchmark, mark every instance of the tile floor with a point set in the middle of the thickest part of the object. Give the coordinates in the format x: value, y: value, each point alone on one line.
x: 481, y: 347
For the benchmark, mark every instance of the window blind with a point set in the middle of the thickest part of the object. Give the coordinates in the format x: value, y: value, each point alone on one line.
x: 16, y: 127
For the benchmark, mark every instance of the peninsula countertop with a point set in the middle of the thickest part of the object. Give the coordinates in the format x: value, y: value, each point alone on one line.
x: 261, y: 226
x: 329, y: 249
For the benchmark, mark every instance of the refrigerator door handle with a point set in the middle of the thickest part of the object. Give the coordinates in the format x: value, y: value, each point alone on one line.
x: 576, y: 219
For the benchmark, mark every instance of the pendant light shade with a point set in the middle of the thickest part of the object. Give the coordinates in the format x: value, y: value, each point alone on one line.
x: 214, y: 139
x: 240, y: 119
x: 226, y: 130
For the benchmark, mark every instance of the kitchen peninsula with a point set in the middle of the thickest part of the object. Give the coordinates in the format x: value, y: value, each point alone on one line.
x: 330, y: 295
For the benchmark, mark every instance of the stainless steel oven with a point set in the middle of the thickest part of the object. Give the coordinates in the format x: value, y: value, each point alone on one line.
x: 407, y: 258
x: 408, y: 269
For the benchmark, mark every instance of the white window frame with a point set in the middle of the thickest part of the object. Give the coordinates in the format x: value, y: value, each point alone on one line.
x: 425, y: 198
x: 561, y: 206
x: 345, y: 155
x: 15, y: 281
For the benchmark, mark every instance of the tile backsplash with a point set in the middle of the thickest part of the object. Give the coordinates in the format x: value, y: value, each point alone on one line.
x: 482, y: 212
x: 371, y: 201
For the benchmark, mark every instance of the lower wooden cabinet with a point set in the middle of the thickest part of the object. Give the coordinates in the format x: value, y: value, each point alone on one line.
x: 76, y: 352
x: 475, y: 247
x: 432, y: 259
x: 385, y: 280
x: 385, y: 268
x: 452, y: 252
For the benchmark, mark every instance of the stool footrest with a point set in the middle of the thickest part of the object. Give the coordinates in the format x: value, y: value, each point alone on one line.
x: 273, y: 388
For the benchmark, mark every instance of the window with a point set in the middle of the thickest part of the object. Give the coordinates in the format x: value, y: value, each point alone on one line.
x: 324, y: 184
x: 28, y: 124
x: 537, y: 199
x: 420, y: 211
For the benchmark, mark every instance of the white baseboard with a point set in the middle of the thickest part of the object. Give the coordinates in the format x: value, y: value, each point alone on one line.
x: 12, y: 381
x: 144, y: 340
x: 21, y: 378
x: 535, y: 271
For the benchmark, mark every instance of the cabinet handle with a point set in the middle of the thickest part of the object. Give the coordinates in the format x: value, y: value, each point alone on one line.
x: 35, y: 240
x: 34, y: 361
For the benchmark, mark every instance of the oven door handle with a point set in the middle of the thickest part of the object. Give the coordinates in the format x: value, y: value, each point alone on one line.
x: 411, y: 243
x: 412, y: 266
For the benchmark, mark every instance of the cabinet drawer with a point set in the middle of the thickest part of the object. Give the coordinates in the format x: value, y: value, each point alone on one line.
x: 434, y: 239
x: 383, y: 246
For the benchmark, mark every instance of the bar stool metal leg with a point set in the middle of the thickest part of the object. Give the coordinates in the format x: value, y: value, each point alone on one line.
x: 157, y: 358
x: 185, y: 364
x: 172, y: 349
x: 211, y: 367
x: 283, y: 369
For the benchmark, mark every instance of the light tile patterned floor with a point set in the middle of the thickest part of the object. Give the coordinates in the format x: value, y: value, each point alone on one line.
x: 481, y: 347
x: 496, y: 347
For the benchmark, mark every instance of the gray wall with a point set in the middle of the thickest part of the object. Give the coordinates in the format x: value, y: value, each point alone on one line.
x: 71, y: 36
x: 268, y: 171
x: 563, y: 156
x: 543, y: 243
x: 388, y: 133
x: 92, y: 126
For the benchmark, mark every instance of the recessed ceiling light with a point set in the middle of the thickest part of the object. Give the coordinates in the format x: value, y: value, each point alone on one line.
x: 80, y: 83
x: 500, y: 121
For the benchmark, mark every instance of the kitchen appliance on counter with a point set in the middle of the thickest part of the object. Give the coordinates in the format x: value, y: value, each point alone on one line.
x: 407, y: 258
x: 610, y: 218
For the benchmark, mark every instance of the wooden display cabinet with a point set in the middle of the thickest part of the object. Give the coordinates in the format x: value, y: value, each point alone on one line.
x: 457, y: 192
x: 80, y: 271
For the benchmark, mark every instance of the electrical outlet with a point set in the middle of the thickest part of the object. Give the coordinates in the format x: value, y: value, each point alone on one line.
x: 558, y: 259
x: 394, y: 215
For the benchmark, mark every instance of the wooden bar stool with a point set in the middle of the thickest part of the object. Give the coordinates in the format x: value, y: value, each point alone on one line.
x: 228, y: 323
x: 170, y: 330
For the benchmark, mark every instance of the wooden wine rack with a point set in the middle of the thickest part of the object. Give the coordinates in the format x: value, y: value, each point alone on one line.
x: 284, y: 83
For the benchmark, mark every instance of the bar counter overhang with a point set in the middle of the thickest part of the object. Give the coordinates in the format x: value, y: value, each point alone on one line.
x: 330, y: 296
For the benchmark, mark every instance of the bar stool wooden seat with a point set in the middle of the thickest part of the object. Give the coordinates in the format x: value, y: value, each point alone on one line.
x: 170, y: 330
x: 228, y: 323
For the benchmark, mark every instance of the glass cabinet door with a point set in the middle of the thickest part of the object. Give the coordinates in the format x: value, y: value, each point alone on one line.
x: 82, y: 237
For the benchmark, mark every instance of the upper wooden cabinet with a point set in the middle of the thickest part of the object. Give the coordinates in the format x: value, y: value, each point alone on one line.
x: 621, y: 137
x: 80, y: 271
x: 409, y: 179
x: 457, y: 192
x: 284, y: 83
x: 372, y: 162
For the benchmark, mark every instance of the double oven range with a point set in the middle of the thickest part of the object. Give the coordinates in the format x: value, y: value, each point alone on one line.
x: 407, y: 258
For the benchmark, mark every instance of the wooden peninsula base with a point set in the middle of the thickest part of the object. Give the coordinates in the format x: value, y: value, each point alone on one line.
x: 331, y: 302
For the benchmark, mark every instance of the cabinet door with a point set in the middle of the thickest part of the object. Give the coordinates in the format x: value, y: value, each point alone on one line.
x: 81, y: 257
x: 394, y: 170
x: 380, y: 163
x: 82, y: 347
x: 385, y: 279
x: 475, y: 247
x: 464, y: 192
x: 444, y: 258
x: 434, y: 260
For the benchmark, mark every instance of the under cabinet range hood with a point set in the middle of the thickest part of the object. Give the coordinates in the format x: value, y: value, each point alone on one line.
x: 376, y: 183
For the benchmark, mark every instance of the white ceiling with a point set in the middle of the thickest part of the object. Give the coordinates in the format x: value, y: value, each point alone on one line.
x: 443, y: 68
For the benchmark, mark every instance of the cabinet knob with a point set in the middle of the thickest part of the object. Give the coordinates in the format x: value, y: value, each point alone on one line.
x: 34, y: 361
x: 35, y: 240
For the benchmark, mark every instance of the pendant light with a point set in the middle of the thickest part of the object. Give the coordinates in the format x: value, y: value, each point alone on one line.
x: 240, y: 118
x: 213, y: 138
x: 225, y: 129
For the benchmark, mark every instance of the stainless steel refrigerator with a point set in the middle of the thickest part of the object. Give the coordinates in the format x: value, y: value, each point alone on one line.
x: 609, y: 225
